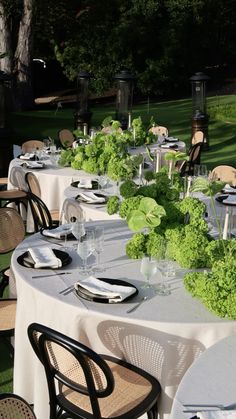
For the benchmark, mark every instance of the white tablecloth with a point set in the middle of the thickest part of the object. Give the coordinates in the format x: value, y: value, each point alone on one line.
x: 163, y: 336
x: 53, y: 183
x: 210, y: 380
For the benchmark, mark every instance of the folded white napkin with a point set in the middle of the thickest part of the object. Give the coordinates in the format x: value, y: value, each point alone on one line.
x: 217, y: 414
x: 44, y: 257
x: 113, y: 292
x: 168, y: 145
x: 27, y: 156
x: 85, y: 183
x: 229, y: 188
x: 91, y: 197
x: 231, y: 199
x: 33, y: 164
x: 59, y: 232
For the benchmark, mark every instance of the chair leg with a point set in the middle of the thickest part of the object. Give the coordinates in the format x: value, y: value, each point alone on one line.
x: 9, y: 347
x: 152, y: 413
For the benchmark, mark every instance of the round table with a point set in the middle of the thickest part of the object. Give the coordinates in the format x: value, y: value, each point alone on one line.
x: 163, y: 336
x: 211, y: 380
x: 54, y: 180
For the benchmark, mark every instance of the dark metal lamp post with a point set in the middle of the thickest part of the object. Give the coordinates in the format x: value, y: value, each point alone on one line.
x: 82, y: 114
x: 124, y: 96
x: 200, y: 118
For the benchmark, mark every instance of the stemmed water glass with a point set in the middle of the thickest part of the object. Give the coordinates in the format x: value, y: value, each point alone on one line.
x: 148, y: 268
x: 78, y: 228
x: 86, y: 247
x: 103, y: 182
x: 165, y: 266
x: 99, y: 245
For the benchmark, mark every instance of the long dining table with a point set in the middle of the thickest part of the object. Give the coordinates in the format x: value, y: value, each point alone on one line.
x: 164, y: 335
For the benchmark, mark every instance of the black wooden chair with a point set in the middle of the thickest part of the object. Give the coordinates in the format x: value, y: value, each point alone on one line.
x: 85, y: 385
x: 187, y: 167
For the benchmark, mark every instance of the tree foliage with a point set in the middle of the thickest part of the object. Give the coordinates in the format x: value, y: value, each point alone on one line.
x: 162, y: 42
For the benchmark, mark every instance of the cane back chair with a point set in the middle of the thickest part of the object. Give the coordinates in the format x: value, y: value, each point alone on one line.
x: 85, y: 385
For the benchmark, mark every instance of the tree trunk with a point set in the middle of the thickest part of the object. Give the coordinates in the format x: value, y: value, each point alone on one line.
x: 5, y: 41
x: 23, y: 59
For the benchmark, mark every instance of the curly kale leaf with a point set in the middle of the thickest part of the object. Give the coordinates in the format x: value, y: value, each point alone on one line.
x: 154, y: 244
x: 128, y: 188
x: 128, y: 205
x: 136, y: 247
x: 113, y: 205
x: 216, y: 289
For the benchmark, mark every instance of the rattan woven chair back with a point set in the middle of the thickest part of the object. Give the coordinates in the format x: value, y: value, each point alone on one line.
x: 18, y: 195
x: 31, y: 145
x: 12, y: 229
x: 14, y: 407
x: 90, y: 385
x: 224, y: 173
x: 66, y: 138
x: 72, y: 209
x: 33, y: 184
x: 159, y: 130
x: 187, y: 167
x: 17, y: 178
x: 197, y: 137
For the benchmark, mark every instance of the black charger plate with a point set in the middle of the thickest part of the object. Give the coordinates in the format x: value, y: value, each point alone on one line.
x: 53, y: 239
x: 222, y: 198
x: 87, y: 295
x: 26, y: 260
x: 94, y: 185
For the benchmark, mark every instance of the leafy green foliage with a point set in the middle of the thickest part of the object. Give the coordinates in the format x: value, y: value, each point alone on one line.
x: 148, y: 214
x: 128, y: 188
x: 128, y: 205
x: 154, y: 243
x: 66, y: 157
x: 195, y: 209
x: 136, y: 247
x: 113, y: 205
x: 216, y: 289
x: 207, y: 186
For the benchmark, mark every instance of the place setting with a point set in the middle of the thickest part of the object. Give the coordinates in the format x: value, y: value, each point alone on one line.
x: 91, y: 198
x: 43, y: 257
x: 85, y: 184
x: 33, y: 164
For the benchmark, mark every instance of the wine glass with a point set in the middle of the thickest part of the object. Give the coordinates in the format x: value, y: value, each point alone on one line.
x: 165, y: 266
x: 102, y: 181
x: 99, y: 245
x: 78, y: 228
x: 64, y: 223
x: 86, y: 247
x: 148, y: 268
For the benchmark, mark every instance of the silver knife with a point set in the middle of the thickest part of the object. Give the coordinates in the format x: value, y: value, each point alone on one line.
x: 46, y: 276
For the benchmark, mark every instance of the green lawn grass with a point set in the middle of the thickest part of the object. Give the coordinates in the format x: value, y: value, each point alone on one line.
x: 176, y: 115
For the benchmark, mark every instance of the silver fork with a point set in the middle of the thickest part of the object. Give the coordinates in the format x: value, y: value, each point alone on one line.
x: 137, y: 305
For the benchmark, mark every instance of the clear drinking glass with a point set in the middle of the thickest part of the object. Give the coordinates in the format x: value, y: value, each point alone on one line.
x: 166, y: 268
x: 102, y: 181
x: 99, y: 246
x: 148, y: 268
x: 85, y: 248
x: 78, y: 228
